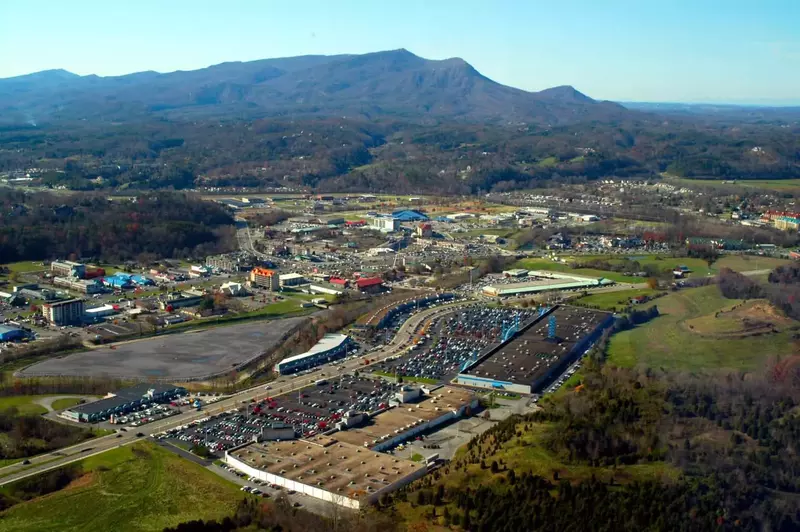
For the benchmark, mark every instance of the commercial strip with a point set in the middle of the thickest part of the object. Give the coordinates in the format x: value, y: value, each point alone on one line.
x: 123, y: 402
x: 543, y: 281
x: 330, y: 347
x: 540, y: 351
x: 346, y: 466
x: 326, y: 469
x: 415, y: 412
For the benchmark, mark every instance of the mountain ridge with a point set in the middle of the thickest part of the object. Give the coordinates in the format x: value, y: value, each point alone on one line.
x: 393, y: 83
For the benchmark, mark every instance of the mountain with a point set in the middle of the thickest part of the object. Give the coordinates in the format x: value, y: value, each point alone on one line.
x: 393, y: 83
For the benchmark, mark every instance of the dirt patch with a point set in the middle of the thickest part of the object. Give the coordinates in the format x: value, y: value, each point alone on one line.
x: 82, y: 481
x: 749, y: 318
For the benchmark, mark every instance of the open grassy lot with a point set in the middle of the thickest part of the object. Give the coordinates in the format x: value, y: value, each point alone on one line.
x: 614, y: 300
x: 746, y: 263
x: 780, y: 185
x: 66, y: 402
x: 139, y: 487
x: 545, y: 264
x: 25, y: 266
x: 25, y: 404
x: 674, y: 340
x: 665, y: 264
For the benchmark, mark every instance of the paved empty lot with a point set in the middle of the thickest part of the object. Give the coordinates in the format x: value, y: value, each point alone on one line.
x: 175, y: 356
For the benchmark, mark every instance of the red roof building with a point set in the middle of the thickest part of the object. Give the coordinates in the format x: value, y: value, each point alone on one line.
x: 369, y: 284
x: 339, y: 281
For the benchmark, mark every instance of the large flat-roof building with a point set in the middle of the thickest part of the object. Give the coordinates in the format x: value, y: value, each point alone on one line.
x: 412, y: 414
x: 538, y: 353
x: 68, y: 312
x: 291, y: 279
x: 543, y: 281
x: 68, y: 268
x: 324, y: 468
x: 384, y: 223
x: 331, y: 347
x: 84, y: 286
x: 123, y: 401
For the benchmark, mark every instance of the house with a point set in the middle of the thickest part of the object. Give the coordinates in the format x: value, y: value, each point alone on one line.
x: 424, y: 230
x: 233, y: 289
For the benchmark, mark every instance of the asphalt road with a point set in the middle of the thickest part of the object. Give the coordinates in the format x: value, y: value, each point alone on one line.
x: 282, y: 385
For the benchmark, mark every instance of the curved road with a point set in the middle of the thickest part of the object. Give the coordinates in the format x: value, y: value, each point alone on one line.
x: 281, y: 386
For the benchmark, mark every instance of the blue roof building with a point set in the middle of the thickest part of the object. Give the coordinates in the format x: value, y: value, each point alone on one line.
x: 409, y: 216
x: 11, y: 334
x: 118, y: 280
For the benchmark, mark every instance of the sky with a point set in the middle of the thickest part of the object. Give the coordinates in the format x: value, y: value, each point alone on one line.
x: 715, y: 51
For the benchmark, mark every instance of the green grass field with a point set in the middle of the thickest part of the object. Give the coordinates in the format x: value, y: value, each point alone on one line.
x: 25, y: 404
x: 548, y: 265
x: 746, y: 263
x: 668, y: 341
x: 25, y: 266
x: 61, y: 404
x: 614, y: 300
x: 665, y: 264
x: 139, y: 487
x: 780, y: 185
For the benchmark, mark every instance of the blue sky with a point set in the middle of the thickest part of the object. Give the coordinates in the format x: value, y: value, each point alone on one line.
x: 646, y: 50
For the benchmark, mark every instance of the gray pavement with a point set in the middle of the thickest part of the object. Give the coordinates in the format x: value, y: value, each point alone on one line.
x: 192, y: 354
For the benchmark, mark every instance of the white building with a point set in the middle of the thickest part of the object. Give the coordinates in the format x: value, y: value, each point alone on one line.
x: 291, y: 279
x: 384, y: 223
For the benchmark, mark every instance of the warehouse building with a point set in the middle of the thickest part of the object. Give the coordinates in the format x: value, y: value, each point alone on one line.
x: 291, y: 279
x: 544, y: 281
x: 326, y: 288
x: 331, y: 347
x: 539, y: 353
x: 414, y: 411
x: 369, y: 285
x: 326, y: 469
x: 409, y: 215
x: 68, y: 312
x: 123, y: 402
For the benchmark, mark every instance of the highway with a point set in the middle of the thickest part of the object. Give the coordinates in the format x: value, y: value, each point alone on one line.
x: 281, y: 386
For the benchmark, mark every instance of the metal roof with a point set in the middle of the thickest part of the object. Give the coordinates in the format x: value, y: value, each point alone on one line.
x: 328, y: 342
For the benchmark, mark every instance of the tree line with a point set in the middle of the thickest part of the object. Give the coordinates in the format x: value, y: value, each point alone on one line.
x: 41, y: 226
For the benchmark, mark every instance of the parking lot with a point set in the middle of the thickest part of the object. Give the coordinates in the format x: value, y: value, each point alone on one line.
x: 311, y: 410
x: 451, y: 340
x: 186, y: 355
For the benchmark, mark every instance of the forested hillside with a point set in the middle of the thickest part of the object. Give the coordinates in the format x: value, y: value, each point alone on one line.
x: 344, y: 154
x: 45, y: 226
x: 382, y: 122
